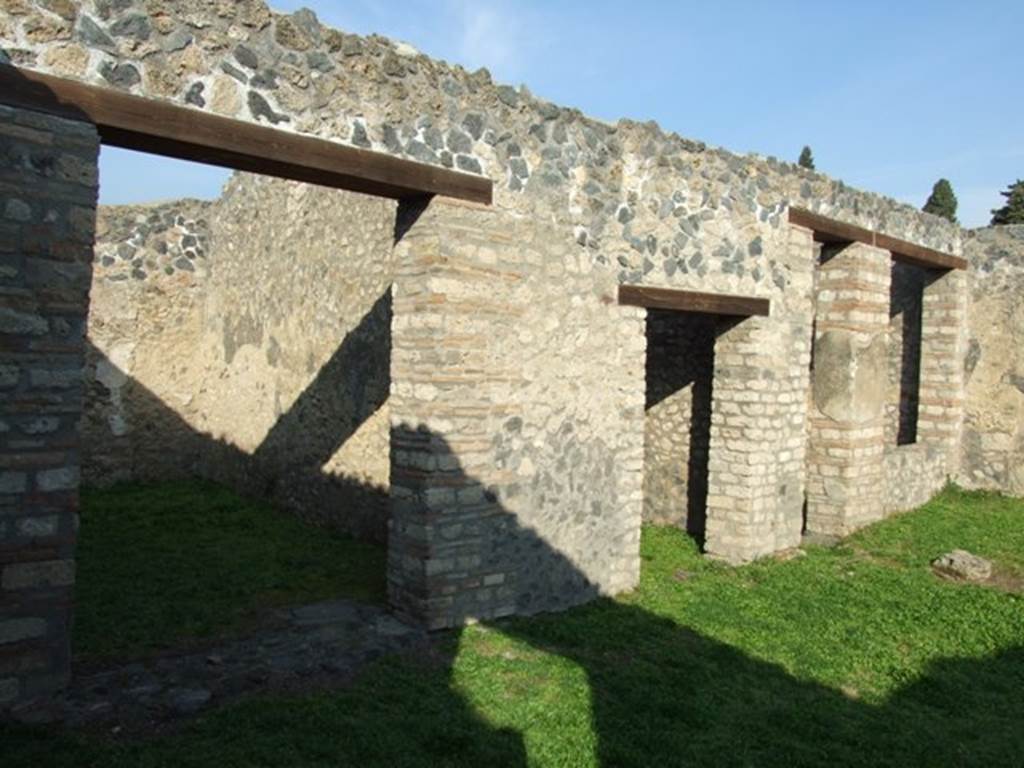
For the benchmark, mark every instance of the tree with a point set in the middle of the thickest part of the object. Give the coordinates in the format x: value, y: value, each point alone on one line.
x: 942, y: 201
x: 1013, y: 211
x: 806, y: 159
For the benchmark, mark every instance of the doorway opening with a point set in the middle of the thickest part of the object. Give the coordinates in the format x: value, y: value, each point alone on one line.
x: 677, y: 427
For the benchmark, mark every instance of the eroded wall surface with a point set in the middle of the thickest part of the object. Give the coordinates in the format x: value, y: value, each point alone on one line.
x: 142, y: 375
x: 993, y: 431
x: 247, y: 340
x: 517, y: 380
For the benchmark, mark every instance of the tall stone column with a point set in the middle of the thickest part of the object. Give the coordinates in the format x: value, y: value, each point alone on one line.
x: 846, y: 442
x: 48, y: 187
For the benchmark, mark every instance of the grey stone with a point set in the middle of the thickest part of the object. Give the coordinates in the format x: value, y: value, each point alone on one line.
x: 474, y: 125
x: 59, y: 479
x: 17, y: 210
x: 177, y: 40
x: 359, y: 137
x: 15, y: 630
x: 51, y: 573
x: 246, y: 57
x: 195, y: 95
x: 319, y: 61
x: 186, y: 701
x: 507, y: 95
x: 234, y: 72
x: 93, y: 34
x: 121, y: 75
x: 22, y: 323
x: 419, y: 151
x: 961, y: 565
x: 468, y: 164
x: 135, y: 26
x: 260, y: 107
x: 459, y: 142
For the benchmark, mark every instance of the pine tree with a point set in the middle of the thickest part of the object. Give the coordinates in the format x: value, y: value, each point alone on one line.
x: 806, y: 159
x: 942, y: 201
x: 1013, y: 211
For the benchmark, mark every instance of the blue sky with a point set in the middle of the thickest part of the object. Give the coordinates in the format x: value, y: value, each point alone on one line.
x: 890, y: 95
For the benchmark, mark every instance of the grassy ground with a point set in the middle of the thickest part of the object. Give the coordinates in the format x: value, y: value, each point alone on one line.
x: 176, y: 564
x: 854, y: 656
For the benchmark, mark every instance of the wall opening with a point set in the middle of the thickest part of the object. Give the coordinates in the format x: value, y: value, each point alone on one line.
x: 906, y: 303
x: 680, y: 371
x: 237, y: 357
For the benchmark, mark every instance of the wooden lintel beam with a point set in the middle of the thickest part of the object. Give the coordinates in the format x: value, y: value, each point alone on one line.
x: 828, y: 230
x: 163, y: 128
x: 692, y: 301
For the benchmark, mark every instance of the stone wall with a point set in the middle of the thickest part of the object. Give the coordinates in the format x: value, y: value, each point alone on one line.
x: 517, y: 420
x: 47, y: 216
x: 517, y: 381
x: 993, y: 432
x: 246, y: 340
x: 150, y: 274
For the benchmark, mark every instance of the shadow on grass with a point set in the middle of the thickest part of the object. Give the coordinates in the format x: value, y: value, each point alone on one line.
x: 652, y: 693
x: 175, y: 565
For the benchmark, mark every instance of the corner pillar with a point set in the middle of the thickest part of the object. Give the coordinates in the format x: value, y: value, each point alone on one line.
x: 48, y: 178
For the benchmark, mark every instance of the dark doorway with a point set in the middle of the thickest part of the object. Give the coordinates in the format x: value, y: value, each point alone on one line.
x: 680, y: 370
x: 906, y: 300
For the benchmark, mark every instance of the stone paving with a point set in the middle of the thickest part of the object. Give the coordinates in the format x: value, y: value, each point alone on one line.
x: 313, y: 646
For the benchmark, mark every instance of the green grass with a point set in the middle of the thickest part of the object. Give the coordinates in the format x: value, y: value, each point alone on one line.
x: 176, y: 564
x: 852, y: 656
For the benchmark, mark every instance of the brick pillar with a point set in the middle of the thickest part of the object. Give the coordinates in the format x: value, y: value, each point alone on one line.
x: 517, y: 415
x: 758, y: 421
x: 442, y: 374
x: 846, y: 443
x: 941, y: 393
x: 48, y: 186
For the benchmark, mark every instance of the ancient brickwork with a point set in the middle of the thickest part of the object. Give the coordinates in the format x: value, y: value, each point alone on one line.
x: 511, y: 450
x: 845, y: 470
x: 47, y: 212
x: 517, y: 462
x: 992, y: 444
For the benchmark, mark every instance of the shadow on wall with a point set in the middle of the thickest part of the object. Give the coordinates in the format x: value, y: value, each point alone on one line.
x: 659, y: 694
x: 680, y: 369
x: 286, y: 468
x: 906, y: 302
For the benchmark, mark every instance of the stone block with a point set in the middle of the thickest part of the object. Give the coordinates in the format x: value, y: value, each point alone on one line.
x: 49, y: 573
x: 60, y: 479
x: 16, y: 630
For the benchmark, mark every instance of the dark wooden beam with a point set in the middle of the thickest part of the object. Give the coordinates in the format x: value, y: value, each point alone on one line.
x: 828, y: 230
x: 163, y: 128
x: 919, y: 255
x: 692, y: 301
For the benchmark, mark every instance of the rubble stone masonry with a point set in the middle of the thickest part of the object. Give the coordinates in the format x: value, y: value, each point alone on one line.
x: 460, y: 379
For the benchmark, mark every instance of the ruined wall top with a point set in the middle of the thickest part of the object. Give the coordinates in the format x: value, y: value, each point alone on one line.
x: 637, y: 196
x: 996, y: 255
